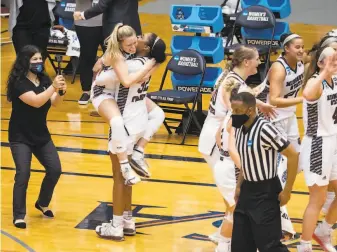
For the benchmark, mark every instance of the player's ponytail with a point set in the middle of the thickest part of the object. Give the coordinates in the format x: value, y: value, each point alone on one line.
x: 313, y: 68
x: 242, y: 53
x: 118, y: 35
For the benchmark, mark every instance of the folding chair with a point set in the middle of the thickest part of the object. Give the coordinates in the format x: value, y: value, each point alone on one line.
x: 186, y: 62
x: 256, y: 18
x: 57, y: 47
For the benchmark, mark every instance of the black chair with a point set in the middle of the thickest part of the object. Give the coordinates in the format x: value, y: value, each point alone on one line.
x: 258, y: 18
x: 187, y: 62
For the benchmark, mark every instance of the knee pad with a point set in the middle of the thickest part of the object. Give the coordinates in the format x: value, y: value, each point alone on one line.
x: 118, y: 135
x: 156, y: 118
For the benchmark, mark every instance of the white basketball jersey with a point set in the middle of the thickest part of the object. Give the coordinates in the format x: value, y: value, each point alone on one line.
x: 216, y: 114
x: 290, y: 88
x: 225, y: 136
x: 131, y: 101
x: 320, y: 117
x: 217, y: 107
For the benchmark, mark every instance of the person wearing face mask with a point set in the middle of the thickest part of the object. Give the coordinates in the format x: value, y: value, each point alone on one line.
x: 318, y: 156
x: 32, y: 93
x: 259, y: 194
x: 244, y: 63
x: 284, y: 82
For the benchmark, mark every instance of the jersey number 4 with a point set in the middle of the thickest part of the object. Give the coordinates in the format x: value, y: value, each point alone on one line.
x: 334, y: 116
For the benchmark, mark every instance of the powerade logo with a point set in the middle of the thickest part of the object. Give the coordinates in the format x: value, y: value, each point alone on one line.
x: 245, y: 13
x: 176, y: 58
x: 262, y: 42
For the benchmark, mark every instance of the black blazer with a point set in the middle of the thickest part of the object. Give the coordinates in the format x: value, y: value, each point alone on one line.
x: 114, y: 12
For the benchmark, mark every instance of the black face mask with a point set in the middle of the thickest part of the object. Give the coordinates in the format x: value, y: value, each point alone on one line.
x: 239, y: 120
x: 37, y: 67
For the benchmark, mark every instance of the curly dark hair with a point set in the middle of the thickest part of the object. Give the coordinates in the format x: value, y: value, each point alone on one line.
x: 20, y: 68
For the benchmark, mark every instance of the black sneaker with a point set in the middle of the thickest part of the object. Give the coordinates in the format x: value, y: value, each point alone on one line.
x: 84, y: 99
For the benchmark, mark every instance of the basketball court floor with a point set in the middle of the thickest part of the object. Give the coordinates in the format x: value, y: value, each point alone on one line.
x: 175, y: 209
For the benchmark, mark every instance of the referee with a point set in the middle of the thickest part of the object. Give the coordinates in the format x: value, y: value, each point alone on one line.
x: 257, y: 217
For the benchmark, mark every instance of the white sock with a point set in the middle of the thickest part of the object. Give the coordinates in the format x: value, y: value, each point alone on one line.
x: 225, y: 239
x: 117, y: 220
x: 124, y: 164
x: 306, y: 243
x: 138, y: 152
x: 127, y: 215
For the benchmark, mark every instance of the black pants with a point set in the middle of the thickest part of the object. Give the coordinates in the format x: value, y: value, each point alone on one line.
x: 90, y: 38
x: 38, y: 37
x: 257, y: 218
x: 22, y: 155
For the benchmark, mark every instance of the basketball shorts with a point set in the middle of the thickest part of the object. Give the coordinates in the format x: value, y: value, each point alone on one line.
x: 225, y: 177
x: 130, y: 143
x: 318, y: 159
x: 97, y: 100
x: 213, y: 158
x: 289, y: 129
x: 207, y: 138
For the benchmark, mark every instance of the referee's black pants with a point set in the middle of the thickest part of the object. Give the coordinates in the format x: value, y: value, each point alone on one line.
x: 257, y: 218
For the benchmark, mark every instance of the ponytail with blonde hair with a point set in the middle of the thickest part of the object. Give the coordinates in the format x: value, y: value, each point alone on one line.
x: 118, y: 35
x: 243, y: 52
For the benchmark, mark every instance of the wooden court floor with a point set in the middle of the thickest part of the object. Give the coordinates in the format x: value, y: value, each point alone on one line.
x: 175, y: 209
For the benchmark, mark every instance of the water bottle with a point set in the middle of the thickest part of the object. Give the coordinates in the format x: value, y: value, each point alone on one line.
x: 180, y: 14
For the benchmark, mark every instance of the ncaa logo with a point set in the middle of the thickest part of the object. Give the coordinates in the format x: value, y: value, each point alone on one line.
x: 288, y: 70
x: 176, y: 58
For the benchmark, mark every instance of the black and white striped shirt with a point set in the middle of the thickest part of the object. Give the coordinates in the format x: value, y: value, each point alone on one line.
x: 258, y: 147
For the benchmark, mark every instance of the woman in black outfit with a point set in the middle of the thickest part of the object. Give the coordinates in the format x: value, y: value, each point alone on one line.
x: 32, y: 93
